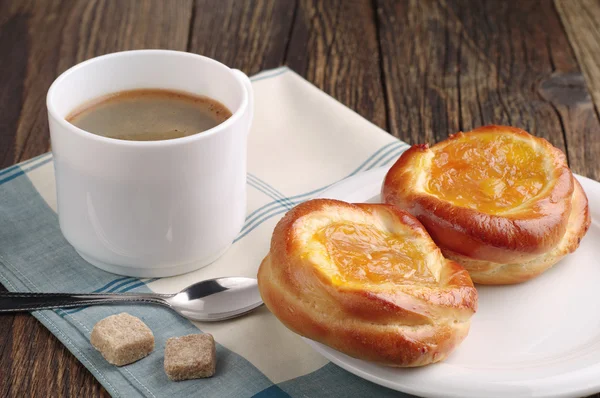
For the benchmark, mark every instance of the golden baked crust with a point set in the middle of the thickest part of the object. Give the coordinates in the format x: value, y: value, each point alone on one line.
x: 367, y: 280
x: 502, y: 207
x: 491, y: 273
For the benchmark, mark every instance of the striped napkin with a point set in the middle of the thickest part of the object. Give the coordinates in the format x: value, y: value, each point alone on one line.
x: 301, y: 142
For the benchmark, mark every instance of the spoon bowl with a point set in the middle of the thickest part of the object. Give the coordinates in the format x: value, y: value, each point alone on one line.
x: 217, y: 299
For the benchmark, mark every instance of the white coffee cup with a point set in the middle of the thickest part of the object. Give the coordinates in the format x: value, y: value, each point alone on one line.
x: 150, y: 208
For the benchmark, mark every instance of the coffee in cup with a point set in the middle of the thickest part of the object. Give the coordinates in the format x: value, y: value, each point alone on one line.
x: 149, y: 115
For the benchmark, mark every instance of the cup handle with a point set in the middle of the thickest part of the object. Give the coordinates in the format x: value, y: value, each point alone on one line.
x: 248, y: 85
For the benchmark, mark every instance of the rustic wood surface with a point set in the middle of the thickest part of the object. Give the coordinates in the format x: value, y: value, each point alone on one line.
x: 421, y: 69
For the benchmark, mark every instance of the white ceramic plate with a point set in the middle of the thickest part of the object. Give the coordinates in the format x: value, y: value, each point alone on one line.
x: 540, y: 338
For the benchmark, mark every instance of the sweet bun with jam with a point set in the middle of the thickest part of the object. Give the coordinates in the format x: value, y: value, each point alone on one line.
x: 366, y: 280
x: 498, y: 200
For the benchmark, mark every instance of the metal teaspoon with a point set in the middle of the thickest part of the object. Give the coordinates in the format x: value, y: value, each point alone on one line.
x: 209, y: 300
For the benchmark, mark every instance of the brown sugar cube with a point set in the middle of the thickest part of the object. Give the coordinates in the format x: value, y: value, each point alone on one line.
x: 190, y: 357
x: 122, y: 339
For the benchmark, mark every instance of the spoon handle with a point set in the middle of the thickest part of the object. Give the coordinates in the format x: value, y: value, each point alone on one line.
x: 18, y: 302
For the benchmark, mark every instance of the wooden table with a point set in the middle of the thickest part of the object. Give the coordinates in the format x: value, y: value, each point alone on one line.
x: 419, y: 69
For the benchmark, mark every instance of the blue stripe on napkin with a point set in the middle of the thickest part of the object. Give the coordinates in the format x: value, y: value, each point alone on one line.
x: 22, y: 169
x: 381, y: 157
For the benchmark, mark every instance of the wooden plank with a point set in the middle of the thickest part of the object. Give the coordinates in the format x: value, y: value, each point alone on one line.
x: 580, y: 20
x: 39, y: 40
x: 13, y: 36
x: 41, y: 366
x: 454, y: 65
x: 581, y: 24
x: 334, y: 45
x: 45, y: 38
x: 6, y: 344
x: 247, y: 35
